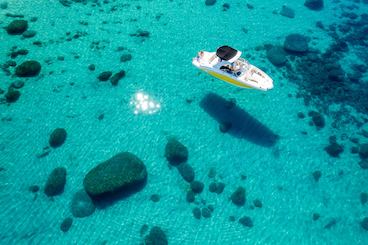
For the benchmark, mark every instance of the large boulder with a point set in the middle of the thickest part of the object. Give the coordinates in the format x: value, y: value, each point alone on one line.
x: 277, y: 56
x: 186, y: 171
x: 296, y: 43
x: 82, y: 205
x: 17, y: 27
x: 175, y: 152
x: 334, y: 149
x: 122, y: 173
x: 314, y: 4
x: 28, y: 68
x: 56, y: 182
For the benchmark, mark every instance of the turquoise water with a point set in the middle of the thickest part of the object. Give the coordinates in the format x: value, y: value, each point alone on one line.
x: 269, y: 143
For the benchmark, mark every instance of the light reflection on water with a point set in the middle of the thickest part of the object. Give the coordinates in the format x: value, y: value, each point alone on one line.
x: 143, y: 103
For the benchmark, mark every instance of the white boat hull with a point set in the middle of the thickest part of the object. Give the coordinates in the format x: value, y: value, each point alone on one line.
x: 252, y: 77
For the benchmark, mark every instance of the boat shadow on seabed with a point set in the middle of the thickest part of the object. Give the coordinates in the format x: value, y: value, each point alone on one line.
x: 243, y: 125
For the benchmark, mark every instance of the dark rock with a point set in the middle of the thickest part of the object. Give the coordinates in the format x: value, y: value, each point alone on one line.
x: 12, y: 95
x: 364, y: 223
x: 216, y: 187
x: 238, y: 197
x: 29, y: 34
x: 277, y: 56
x: 156, y: 237
x: 225, y: 6
x: 57, y: 137
x: 364, y: 164
x: 186, y: 171
x: 318, y: 120
x: 17, y: 84
x: 116, y: 77
x: 210, y: 2
x: 301, y: 115
x: 123, y: 172
x: 296, y: 43
x: 330, y: 224
x: 257, y: 203
x: 190, y: 196
x: 287, y: 12
x: 34, y: 188
x: 104, y: 76
x: 17, y: 27
x: 363, y: 150
x: 246, y: 221
x: 314, y: 4
x: 354, y: 150
x: 155, y: 198
x: 175, y: 152
x: 91, y: 67
x: 334, y: 149
x: 82, y: 205
x: 66, y: 224
x: 211, y: 173
x: 206, y: 213
x: 363, y: 198
x: 56, y: 182
x: 316, y: 216
x: 196, y: 213
x: 28, y: 68
x: 196, y: 186
x: 317, y: 175
x: 220, y: 187
x: 125, y: 57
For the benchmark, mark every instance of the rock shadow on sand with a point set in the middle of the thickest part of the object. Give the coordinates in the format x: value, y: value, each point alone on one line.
x: 243, y: 125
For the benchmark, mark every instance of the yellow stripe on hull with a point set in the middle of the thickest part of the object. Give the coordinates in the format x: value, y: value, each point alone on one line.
x: 227, y: 79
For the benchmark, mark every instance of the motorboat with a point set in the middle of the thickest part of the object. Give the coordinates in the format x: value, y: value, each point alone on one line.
x: 227, y: 65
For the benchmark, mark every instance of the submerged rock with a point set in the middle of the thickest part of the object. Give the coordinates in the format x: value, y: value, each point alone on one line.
x: 175, y: 152
x: 186, y: 171
x: 12, y: 95
x: 28, y: 68
x: 365, y: 130
x: 238, y: 196
x: 246, y: 221
x: 17, y: 27
x: 210, y: 2
x: 296, y: 43
x: 116, y: 77
x: 314, y: 4
x: 29, y: 34
x: 104, y: 76
x: 123, y: 172
x: 66, y: 224
x: 364, y: 164
x: 196, y: 186
x: 277, y: 56
x: 125, y: 57
x: 196, y: 213
x: 56, y: 182
x: 57, y: 137
x: 363, y: 151
x: 334, y: 149
x: 287, y: 12
x: 82, y: 205
x: 364, y: 223
x: 156, y: 237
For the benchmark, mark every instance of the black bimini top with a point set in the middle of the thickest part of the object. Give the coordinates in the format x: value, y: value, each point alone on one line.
x: 226, y: 52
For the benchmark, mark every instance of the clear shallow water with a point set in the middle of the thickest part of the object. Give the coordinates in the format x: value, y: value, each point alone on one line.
x: 278, y: 173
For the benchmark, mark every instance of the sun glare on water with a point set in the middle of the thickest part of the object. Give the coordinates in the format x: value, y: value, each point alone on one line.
x: 143, y: 103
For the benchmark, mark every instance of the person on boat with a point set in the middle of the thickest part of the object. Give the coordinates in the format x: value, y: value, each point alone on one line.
x: 200, y: 55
